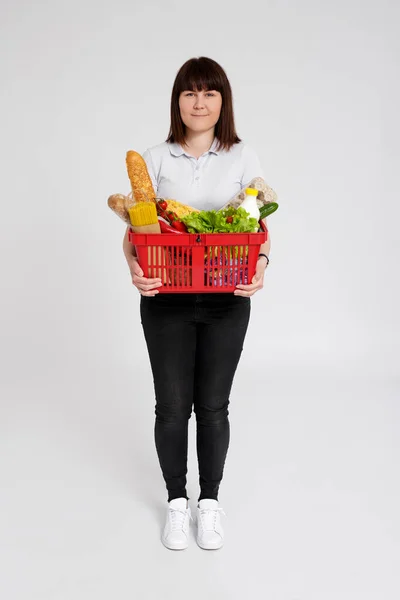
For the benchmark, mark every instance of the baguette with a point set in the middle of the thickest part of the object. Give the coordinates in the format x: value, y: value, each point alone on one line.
x: 142, y: 187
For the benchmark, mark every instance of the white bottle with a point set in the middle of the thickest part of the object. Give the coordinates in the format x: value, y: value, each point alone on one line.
x: 250, y: 204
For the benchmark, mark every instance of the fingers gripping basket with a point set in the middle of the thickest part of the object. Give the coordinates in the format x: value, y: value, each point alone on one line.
x: 199, y: 262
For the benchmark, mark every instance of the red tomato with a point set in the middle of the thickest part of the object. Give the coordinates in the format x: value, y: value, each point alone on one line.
x: 229, y: 219
x: 179, y: 226
x: 165, y: 215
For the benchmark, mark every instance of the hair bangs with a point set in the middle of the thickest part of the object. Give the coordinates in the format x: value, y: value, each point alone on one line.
x: 200, y: 77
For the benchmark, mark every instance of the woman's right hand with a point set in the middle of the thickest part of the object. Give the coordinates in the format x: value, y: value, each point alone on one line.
x: 146, y: 286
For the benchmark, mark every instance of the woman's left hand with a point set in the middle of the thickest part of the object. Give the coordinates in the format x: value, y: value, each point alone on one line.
x: 257, y: 283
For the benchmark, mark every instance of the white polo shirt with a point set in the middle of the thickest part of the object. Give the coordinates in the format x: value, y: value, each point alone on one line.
x: 207, y: 182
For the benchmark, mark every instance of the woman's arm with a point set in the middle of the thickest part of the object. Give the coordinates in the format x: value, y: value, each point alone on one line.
x: 145, y: 285
x: 258, y: 280
x: 266, y: 246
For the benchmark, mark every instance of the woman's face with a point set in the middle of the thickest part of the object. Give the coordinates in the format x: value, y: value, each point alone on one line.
x: 200, y: 111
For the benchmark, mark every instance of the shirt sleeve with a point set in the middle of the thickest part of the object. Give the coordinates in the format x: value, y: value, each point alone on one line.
x: 251, y: 166
x: 150, y: 167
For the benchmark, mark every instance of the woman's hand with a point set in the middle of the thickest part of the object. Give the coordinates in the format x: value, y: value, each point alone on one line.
x: 146, y: 287
x: 257, y: 283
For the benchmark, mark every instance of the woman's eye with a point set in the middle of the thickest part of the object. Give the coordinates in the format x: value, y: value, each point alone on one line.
x: 207, y: 94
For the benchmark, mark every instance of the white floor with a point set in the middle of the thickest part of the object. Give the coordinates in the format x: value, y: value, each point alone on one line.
x: 311, y: 491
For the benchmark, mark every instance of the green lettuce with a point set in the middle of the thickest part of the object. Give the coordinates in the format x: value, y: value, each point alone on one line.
x: 214, y: 221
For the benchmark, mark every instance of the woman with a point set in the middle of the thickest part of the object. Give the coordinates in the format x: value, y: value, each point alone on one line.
x: 195, y: 340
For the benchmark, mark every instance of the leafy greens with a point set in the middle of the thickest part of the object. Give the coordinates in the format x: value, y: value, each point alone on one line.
x: 215, y: 221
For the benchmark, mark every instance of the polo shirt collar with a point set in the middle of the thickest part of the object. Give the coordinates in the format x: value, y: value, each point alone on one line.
x: 177, y: 150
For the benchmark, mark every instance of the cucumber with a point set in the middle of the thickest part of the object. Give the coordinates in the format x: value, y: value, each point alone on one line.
x: 268, y: 209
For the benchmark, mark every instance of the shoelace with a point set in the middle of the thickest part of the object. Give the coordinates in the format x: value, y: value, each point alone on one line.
x: 178, y: 520
x: 208, y: 517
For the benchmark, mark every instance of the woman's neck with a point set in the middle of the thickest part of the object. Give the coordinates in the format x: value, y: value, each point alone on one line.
x: 198, y: 143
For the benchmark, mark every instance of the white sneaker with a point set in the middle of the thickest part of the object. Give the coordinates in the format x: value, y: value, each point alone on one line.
x: 210, y: 534
x: 176, y: 531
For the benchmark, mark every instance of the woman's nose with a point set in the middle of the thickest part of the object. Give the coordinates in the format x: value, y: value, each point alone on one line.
x: 199, y: 103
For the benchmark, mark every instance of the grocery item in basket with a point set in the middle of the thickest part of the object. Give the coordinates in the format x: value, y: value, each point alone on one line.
x: 129, y: 201
x: 117, y: 203
x: 265, y: 194
x: 268, y: 209
x: 235, y: 271
x: 167, y: 228
x: 143, y: 218
x: 231, y: 220
x: 169, y: 216
x: 181, y: 210
x: 179, y: 225
x: 139, y: 177
x: 250, y: 205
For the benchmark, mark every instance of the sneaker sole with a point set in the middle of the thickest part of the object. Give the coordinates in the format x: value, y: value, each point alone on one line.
x: 172, y: 546
x: 215, y: 546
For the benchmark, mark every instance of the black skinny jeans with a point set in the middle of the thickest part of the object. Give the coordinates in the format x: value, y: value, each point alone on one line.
x: 194, y: 343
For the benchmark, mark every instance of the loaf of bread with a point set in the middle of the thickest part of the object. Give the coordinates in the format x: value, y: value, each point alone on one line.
x: 142, y: 187
x: 265, y: 194
x: 119, y: 204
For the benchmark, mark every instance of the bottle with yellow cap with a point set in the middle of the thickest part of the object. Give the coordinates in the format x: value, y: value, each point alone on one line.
x: 250, y: 204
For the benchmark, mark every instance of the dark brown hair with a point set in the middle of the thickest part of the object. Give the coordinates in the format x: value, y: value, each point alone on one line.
x: 203, y: 74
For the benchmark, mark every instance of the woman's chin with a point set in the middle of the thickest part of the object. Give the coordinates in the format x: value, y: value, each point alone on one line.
x: 199, y: 126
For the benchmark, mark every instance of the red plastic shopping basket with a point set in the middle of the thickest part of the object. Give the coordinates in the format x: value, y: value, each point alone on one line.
x: 199, y: 262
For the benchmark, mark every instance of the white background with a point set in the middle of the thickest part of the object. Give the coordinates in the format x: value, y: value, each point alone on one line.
x: 311, y: 487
